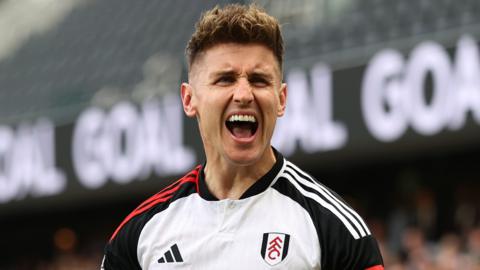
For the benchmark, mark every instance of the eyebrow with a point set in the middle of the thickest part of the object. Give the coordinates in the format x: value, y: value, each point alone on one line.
x: 223, y: 73
x: 235, y: 74
x: 264, y: 75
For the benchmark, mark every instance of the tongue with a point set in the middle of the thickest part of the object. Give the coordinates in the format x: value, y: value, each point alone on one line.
x: 241, y: 132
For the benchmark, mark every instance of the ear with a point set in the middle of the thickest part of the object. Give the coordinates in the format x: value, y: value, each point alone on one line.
x: 186, y: 91
x: 282, y: 95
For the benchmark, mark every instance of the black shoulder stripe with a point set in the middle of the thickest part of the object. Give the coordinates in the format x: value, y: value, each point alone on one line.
x: 320, y: 199
x: 318, y: 196
x: 331, y: 197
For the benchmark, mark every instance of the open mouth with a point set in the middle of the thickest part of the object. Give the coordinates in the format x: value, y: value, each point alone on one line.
x: 242, y: 126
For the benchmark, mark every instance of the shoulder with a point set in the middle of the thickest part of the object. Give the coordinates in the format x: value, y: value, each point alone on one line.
x: 343, y: 235
x: 123, y: 242
x: 160, y: 201
x: 319, y: 201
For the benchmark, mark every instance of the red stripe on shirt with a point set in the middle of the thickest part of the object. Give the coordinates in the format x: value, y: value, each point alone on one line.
x: 376, y: 267
x: 193, y: 174
x: 130, y: 216
x: 160, y: 197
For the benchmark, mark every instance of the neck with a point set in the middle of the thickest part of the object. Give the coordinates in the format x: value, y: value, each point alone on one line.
x: 226, y: 180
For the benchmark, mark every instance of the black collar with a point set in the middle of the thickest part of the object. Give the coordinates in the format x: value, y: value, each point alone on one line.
x: 258, y: 187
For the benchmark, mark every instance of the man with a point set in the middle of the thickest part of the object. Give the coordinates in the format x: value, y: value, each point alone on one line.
x: 246, y: 207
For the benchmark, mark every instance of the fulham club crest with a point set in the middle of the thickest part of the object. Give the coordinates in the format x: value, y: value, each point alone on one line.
x: 274, y: 247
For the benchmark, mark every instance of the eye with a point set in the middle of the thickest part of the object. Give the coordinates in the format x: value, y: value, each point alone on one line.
x: 225, y: 80
x: 259, y: 81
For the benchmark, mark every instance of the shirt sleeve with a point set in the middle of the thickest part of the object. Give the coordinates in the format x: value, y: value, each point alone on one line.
x: 121, y: 250
x: 341, y: 250
x: 112, y: 261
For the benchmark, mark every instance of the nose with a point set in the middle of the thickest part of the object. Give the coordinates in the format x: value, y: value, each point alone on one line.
x: 243, y: 94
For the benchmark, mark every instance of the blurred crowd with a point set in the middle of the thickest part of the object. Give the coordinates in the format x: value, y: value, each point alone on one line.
x: 416, y: 237
x: 451, y: 251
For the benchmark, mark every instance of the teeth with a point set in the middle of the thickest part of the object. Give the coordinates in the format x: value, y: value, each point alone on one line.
x: 243, y: 118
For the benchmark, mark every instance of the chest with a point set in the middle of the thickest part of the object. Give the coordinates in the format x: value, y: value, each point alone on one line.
x: 262, y: 232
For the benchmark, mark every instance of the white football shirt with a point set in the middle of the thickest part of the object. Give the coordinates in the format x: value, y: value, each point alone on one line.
x: 286, y: 220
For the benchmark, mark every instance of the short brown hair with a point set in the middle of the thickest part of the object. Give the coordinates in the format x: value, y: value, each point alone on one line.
x: 238, y: 24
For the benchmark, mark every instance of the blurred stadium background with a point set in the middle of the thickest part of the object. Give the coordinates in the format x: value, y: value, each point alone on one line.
x: 384, y: 100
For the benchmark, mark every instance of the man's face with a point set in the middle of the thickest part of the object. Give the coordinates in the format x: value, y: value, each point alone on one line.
x: 235, y: 91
